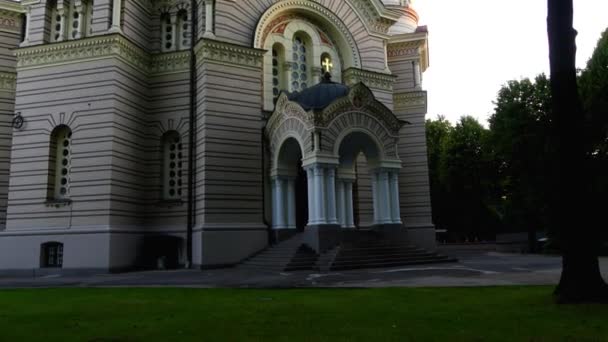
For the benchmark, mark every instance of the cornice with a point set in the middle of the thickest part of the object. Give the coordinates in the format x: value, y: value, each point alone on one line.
x: 229, y: 54
x: 408, y: 100
x: 11, y: 6
x: 409, y: 46
x: 371, y: 79
x: 99, y: 47
x: 8, y: 81
x: 377, y: 18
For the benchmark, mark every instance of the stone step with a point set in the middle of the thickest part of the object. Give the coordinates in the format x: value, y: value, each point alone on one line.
x: 391, y: 263
x: 383, y: 256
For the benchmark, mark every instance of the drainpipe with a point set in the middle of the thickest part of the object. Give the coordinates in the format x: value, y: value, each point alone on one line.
x: 192, y: 135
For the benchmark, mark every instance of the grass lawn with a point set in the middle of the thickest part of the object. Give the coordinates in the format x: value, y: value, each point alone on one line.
x: 443, y: 314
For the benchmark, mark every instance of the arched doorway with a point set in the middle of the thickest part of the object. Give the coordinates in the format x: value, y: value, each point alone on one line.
x: 359, y: 158
x: 290, y: 191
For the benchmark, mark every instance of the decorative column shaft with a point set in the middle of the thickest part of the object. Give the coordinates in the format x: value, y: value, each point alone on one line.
x: 375, y: 197
x: 350, y: 215
x: 331, y: 196
x: 28, y: 18
x: 341, y: 201
x: 116, y: 14
x: 320, y: 198
x: 209, y: 20
x: 291, y: 203
x: 279, y: 205
x: 417, y: 75
x: 384, y: 201
x: 312, y: 214
x: 394, y: 190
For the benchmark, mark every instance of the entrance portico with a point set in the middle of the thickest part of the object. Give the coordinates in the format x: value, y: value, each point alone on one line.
x: 324, y: 135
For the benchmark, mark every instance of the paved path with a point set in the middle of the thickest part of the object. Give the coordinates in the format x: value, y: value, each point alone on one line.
x: 476, y: 268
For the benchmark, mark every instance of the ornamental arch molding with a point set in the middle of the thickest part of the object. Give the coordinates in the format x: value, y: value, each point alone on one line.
x: 290, y: 128
x: 326, y: 19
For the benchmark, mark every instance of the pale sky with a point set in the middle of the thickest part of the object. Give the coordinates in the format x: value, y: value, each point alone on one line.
x: 478, y: 45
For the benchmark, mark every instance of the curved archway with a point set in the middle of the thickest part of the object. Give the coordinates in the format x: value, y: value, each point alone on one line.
x: 325, y: 18
x: 289, y: 190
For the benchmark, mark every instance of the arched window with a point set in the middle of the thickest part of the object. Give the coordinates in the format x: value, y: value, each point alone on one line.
x: 278, y: 60
x: 300, y: 70
x: 51, y: 255
x: 184, y: 29
x: 167, y: 34
x: 172, y: 166
x: 59, y: 163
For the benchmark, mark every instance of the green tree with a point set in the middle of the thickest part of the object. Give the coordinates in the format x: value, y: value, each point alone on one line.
x: 437, y: 133
x: 593, y: 87
x: 464, y: 172
x: 518, y: 137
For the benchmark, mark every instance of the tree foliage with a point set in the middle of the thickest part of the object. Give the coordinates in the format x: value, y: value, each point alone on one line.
x: 484, y: 180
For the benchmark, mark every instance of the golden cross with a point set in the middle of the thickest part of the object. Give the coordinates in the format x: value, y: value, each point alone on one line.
x: 327, y: 65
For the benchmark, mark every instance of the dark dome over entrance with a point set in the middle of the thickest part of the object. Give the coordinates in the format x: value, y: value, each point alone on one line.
x: 320, y: 95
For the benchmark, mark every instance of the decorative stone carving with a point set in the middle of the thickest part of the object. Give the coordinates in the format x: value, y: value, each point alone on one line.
x: 104, y: 46
x: 414, y: 99
x: 371, y: 79
x: 227, y: 53
x: 8, y: 81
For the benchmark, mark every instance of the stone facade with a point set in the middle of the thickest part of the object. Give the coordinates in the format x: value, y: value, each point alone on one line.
x: 107, y: 105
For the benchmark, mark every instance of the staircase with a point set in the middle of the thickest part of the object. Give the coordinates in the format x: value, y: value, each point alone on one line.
x: 381, y: 253
x: 360, y: 249
x: 289, y: 255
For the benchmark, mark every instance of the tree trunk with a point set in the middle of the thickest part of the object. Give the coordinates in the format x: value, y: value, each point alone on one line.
x: 581, y: 280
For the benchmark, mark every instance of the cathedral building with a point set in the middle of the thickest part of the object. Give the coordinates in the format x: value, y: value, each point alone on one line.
x: 202, y: 132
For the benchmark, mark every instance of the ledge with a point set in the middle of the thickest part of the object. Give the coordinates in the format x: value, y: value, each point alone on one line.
x: 58, y: 203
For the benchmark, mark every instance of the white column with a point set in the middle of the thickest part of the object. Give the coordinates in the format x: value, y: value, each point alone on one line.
x: 417, y: 75
x: 331, y: 196
x: 28, y: 16
x: 275, y: 204
x: 341, y: 201
x: 312, y: 215
x: 384, y: 203
x: 280, y: 222
x: 116, y: 12
x: 350, y: 215
x: 291, y: 203
x: 209, y: 17
x: 375, y: 196
x: 394, y: 189
x: 320, y: 195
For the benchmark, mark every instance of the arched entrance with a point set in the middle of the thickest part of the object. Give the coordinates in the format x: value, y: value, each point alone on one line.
x: 289, y: 190
x: 374, y: 186
x: 326, y: 140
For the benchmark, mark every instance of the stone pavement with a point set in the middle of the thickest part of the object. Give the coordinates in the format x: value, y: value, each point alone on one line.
x: 476, y: 268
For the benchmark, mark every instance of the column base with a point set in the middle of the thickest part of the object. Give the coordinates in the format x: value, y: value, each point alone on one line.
x: 391, y: 231
x: 280, y: 235
x: 322, y: 238
x: 115, y: 29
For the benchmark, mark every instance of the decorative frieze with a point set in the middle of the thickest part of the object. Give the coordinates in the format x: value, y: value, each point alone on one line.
x: 7, y: 81
x: 102, y: 47
x: 372, y: 79
x: 230, y: 54
x: 10, y: 20
x: 413, y: 99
